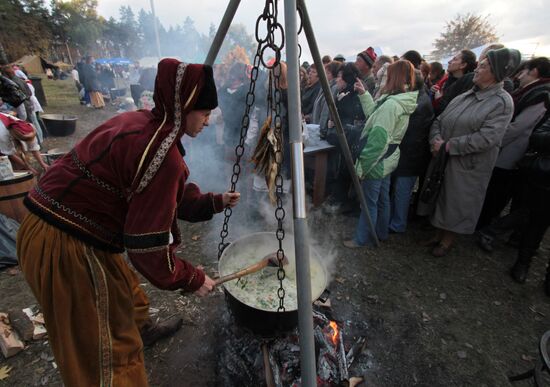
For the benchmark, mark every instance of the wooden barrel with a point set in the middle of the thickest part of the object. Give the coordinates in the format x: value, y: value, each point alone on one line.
x: 12, y: 193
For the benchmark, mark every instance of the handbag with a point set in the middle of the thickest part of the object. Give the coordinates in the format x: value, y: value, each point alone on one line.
x: 534, y: 162
x: 434, y: 180
x: 11, y: 93
x: 535, y: 167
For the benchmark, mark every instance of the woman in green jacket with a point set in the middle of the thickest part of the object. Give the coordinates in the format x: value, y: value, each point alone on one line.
x: 387, y: 122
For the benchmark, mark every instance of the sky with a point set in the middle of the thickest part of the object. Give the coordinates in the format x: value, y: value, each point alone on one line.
x: 350, y: 26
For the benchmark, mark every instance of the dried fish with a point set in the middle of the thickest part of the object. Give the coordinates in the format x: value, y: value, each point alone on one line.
x: 266, y: 159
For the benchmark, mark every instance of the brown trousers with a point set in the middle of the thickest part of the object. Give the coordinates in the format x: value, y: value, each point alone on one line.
x: 92, y: 303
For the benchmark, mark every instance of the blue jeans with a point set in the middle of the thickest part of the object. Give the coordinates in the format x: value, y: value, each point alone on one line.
x: 377, y: 196
x: 401, y: 200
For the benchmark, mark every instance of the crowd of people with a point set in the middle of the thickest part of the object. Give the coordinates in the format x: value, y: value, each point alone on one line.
x: 94, y: 80
x: 474, y: 139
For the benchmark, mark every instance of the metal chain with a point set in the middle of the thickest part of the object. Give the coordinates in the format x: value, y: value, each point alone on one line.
x: 277, y: 122
x: 239, y: 149
x: 269, y: 16
x: 273, y: 28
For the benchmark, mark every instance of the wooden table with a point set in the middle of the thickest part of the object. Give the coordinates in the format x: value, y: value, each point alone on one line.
x: 319, y: 153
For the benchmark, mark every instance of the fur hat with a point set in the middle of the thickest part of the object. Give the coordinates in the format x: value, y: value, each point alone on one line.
x: 503, y: 62
x: 208, y: 97
x: 369, y: 56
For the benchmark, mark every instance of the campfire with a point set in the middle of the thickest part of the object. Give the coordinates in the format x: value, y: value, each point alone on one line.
x: 248, y: 359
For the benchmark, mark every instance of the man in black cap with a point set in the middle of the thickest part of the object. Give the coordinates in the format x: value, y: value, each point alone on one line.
x: 364, y: 62
x: 340, y: 58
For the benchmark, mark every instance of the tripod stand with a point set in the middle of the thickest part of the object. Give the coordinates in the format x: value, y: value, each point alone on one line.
x: 305, y: 313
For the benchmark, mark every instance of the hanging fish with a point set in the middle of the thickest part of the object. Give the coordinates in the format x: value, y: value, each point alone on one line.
x: 265, y: 156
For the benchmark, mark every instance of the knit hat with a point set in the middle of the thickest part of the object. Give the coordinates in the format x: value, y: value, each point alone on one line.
x: 369, y: 56
x: 503, y: 62
x: 339, y: 58
x: 208, y: 97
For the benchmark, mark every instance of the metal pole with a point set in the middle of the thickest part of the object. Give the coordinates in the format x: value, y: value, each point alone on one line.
x: 221, y: 32
x: 156, y: 29
x: 312, y: 43
x: 69, y: 52
x: 301, y: 236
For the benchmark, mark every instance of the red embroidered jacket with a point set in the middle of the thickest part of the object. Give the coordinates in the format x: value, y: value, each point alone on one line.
x: 87, y: 193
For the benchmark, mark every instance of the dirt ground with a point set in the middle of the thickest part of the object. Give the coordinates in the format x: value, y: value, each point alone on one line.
x: 453, y: 321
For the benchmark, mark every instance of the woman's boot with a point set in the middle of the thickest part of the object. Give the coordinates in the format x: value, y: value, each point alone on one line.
x: 521, y: 267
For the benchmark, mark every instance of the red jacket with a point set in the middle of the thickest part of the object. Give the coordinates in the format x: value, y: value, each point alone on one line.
x: 122, y: 188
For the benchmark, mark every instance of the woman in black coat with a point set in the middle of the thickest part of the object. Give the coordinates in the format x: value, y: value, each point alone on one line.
x: 535, y: 167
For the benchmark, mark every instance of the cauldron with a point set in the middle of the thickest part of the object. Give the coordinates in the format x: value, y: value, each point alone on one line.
x: 261, y: 316
x: 59, y: 124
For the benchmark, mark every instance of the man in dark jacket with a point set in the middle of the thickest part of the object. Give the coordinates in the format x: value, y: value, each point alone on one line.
x: 531, y: 104
x: 232, y: 97
x: 536, y: 169
x: 364, y: 62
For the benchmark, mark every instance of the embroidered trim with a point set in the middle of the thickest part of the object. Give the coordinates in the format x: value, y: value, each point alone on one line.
x: 148, y: 250
x: 166, y: 144
x: 192, y: 278
x: 101, y: 289
x: 147, y: 233
x: 93, y: 177
x: 144, y: 155
x: 171, y: 265
x: 75, y: 214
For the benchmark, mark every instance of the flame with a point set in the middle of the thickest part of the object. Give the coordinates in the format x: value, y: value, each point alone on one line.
x: 335, y: 331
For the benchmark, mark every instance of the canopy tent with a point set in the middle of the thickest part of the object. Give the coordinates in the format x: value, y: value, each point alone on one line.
x: 64, y: 66
x: 31, y: 63
x: 114, y: 61
x: 34, y: 64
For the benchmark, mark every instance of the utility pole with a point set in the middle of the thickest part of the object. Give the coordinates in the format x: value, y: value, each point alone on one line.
x: 156, y: 28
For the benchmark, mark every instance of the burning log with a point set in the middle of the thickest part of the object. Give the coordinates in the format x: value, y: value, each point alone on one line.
x: 341, y: 354
x: 356, y: 349
x: 267, y: 366
x: 275, y: 370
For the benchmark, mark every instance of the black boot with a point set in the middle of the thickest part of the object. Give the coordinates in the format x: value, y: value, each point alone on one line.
x: 153, y: 331
x: 485, y: 241
x: 521, y: 267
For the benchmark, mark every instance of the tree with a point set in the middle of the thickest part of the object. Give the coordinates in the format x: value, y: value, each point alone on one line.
x: 464, y: 31
x: 129, y: 39
x: 77, y: 22
x: 24, y: 28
